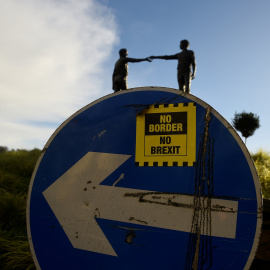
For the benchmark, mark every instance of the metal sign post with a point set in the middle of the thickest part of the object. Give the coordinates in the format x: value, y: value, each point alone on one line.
x: 149, y: 178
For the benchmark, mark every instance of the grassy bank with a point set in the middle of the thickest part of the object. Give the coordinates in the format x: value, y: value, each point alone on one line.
x: 16, y: 168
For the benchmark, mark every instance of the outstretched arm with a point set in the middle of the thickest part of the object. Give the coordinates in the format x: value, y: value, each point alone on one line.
x: 165, y: 57
x: 136, y: 60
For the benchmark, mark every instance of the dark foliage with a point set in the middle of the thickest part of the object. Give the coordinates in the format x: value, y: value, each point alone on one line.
x: 3, y: 149
x: 246, y: 123
x: 16, y: 168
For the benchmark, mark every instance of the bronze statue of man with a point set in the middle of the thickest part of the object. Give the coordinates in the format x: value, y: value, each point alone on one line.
x: 120, y: 72
x: 186, y: 60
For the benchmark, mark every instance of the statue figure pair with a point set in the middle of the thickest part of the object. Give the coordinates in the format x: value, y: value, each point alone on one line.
x: 186, y: 62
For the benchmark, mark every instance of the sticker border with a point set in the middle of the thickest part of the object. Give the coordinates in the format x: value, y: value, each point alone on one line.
x: 173, y: 160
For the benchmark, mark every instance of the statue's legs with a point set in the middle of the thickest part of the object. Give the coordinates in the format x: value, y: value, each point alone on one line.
x: 184, y: 81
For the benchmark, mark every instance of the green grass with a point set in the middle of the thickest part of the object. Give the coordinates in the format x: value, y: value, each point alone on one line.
x: 15, y: 254
x: 16, y: 167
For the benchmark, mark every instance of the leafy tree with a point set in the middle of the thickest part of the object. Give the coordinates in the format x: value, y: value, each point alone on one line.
x: 246, y: 123
x: 262, y: 163
x: 3, y: 149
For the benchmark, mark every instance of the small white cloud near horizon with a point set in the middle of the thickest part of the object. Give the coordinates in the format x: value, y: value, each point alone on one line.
x: 52, y: 55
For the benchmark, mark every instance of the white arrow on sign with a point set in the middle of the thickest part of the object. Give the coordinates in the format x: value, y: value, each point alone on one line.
x: 76, y: 199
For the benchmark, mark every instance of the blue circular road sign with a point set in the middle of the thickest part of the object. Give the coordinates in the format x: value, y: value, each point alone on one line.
x: 149, y: 178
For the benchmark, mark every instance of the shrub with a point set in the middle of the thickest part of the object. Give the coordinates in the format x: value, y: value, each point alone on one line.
x: 262, y: 162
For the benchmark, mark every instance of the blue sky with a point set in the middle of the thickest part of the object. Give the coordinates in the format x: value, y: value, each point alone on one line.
x: 58, y: 55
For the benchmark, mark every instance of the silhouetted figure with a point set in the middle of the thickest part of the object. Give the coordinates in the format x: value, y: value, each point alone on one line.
x: 120, y: 72
x: 186, y: 60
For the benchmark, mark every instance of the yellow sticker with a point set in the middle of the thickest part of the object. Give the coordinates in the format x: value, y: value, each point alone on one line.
x: 166, y: 135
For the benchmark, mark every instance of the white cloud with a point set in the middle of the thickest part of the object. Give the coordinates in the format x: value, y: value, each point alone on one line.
x: 25, y: 136
x: 51, y: 62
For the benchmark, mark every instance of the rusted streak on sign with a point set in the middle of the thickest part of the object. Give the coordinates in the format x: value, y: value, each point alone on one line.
x: 179, y: 200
